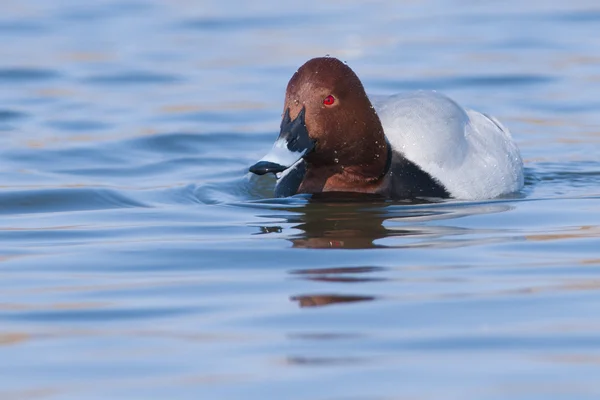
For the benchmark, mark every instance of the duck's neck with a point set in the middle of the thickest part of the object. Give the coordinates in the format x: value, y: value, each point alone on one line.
x: 366, y: 176
x: 355, y: 158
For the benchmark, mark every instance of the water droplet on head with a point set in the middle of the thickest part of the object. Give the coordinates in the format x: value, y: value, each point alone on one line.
x: 336, y: 160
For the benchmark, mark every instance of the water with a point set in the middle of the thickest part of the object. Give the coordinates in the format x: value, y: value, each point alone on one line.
x: 138, y: 259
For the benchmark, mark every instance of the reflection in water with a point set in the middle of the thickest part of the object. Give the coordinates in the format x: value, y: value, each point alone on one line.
x: 12, y: 338
x: 339, y: 275
x: 342, y: 274
x: 347, y: 223
x: 342, y: 222
x: 319, y: 300
x: 324, y: 361
x: 356, y: 221
x: 269, y: 229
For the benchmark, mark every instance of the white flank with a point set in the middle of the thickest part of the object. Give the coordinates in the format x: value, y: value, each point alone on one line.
x: 472, y: 155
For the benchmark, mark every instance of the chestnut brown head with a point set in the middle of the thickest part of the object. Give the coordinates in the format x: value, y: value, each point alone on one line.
x: 327, y: 119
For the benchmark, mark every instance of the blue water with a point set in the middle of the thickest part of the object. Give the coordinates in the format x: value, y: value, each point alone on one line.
x: 139, y: 260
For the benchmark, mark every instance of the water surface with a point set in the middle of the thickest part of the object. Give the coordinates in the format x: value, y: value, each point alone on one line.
x: 138, y: 259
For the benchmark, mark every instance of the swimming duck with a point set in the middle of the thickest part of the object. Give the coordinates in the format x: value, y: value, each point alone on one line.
x: 334, y: 138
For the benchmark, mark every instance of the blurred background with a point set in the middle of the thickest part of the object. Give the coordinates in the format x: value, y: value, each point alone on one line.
x: 138, y: 259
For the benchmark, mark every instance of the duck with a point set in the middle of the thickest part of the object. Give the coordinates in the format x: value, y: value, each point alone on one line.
x: 335, y: 138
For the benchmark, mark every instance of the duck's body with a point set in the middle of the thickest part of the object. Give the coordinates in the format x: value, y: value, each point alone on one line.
x: 412, y: 145
x: 470, y: 154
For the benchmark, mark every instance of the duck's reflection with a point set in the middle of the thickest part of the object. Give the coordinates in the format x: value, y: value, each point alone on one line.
x: 339, y: 275
x: 319, y: 300
x: 334, y: 221
x: 342, y: 274
x: 359, y: 221
x: 342, y: 221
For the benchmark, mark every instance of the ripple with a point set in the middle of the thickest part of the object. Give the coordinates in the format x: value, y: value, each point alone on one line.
x: 152, y: 168
x: 230, y: 23
x: 25, y: 75
x: 225, y: 115
x: 578, y: 17
x: 134, y: 78
x: 22, y: 28
x: 7, y: 115
x: 62, y: 200
x: 324, y: 361
x: 88, y: 315
x: 102, y: 12
x: 563, y: 178
x: 504, y: 343
x: 185, y: 143
x: 78, y: 125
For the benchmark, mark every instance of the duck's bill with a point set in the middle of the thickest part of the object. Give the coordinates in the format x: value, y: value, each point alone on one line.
x: 292, y: 144
x: 278, y: 159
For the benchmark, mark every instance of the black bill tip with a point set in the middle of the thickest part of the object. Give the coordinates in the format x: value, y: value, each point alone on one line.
x: 264, y: 167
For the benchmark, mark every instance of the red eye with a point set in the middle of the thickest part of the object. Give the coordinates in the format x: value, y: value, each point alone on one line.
x: 329, y: 100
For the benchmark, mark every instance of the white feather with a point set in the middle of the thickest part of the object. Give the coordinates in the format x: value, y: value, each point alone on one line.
x: 471, y: 154
x: 280, y: 154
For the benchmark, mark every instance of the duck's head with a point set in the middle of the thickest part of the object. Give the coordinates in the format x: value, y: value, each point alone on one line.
x: 328, y: 121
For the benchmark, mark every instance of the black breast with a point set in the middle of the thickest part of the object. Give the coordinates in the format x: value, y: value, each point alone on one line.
x: 405, y: 181
x: 408, y: 181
